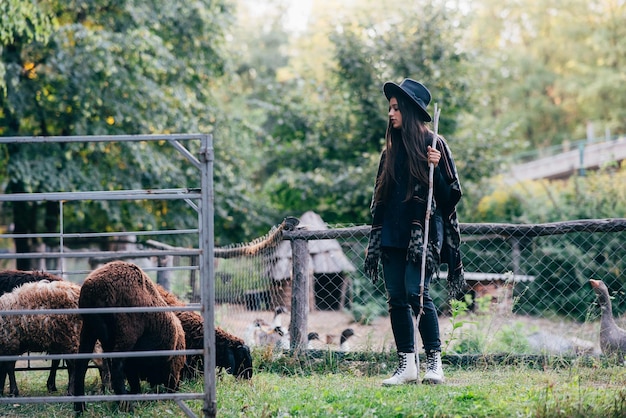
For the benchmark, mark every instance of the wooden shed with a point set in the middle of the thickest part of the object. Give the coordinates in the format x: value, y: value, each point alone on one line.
x: 497, y: 286
x: 329, y: 279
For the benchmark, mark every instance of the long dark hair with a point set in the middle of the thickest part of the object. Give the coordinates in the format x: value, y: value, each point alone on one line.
x: 414, y: 137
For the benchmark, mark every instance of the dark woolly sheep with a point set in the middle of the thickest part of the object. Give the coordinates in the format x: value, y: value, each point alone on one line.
x: 9, y: 280
x: 53, y: 334
x: 231, y: 353
x: 122, y: 284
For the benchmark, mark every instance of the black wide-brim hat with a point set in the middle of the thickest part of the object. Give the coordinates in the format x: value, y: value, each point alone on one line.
x: 413, y: 90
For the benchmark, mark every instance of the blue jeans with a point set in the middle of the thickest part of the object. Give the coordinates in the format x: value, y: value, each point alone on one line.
x: 402, y: 282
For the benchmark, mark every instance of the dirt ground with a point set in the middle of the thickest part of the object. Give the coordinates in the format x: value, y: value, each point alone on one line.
x: 378, y: 337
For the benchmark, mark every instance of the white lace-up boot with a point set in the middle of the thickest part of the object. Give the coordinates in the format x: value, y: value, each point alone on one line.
x: 434, y: 369
x: 407, y: 371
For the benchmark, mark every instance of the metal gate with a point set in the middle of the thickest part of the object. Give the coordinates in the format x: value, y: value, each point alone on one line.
x: 200, y: 258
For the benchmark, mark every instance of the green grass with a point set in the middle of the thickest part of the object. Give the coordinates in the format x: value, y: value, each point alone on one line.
x: 335, y: 387
x: 499, y: 392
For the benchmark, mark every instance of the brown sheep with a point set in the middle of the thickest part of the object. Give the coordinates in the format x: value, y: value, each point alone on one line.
x: 122, y: 284
x: 9, y: 280
x: 231, y: 353
x: 54, y: 334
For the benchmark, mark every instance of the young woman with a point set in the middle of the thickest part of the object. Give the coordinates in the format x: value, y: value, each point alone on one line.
x: 397, y: 234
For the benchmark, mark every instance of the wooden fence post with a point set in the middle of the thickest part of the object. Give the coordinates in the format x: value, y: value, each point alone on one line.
x: 299, y: 294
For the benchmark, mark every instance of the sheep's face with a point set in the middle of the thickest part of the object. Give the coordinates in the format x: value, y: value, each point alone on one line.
x: 242, y: 362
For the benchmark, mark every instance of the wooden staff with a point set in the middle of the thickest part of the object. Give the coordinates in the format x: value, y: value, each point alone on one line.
x: 431, y: 175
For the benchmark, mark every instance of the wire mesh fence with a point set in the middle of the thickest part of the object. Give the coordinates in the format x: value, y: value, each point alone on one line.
x: 528, y: 288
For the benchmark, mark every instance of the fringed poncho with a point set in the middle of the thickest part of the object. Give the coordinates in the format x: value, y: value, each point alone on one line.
x: 450, y: 253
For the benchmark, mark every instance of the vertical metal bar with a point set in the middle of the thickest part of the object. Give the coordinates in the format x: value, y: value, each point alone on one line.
x: 207, y: 273
x: 61, y: 262
x: 299, y: 294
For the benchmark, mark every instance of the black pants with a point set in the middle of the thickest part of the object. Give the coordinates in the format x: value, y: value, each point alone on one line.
x: 402, y: 282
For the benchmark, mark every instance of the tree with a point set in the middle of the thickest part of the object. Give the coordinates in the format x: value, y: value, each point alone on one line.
x: 117, y: 67
x: 330, y: 131
x: 547, y: 68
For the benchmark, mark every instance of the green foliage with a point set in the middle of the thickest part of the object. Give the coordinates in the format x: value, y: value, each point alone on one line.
x: 121, y: 68
x: 94, y: 166
x: 369, y: 300
x: 233, y: 278
x: 563, y: 269
x: 417, y: 41
x: 474, y: 329
x: 365, y: 313
x: 325, y: 139
x: 472, y: 342
x: 561, y: 265
x: 528, y: 81
x: 298, y: 119
x: 501, y: 205
x: 20, y: 21
x: 512, y: 339
x: 458, y: 308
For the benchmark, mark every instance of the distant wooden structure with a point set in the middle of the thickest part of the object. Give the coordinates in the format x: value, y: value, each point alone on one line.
x: 587, y: 156
x: 328, y: 282
x: 497, y: 286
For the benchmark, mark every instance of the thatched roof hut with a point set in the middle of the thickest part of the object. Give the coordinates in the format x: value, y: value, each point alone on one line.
x: 328, y: 267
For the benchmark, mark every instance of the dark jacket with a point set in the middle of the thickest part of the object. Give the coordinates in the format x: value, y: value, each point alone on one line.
x: 447, y: 193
